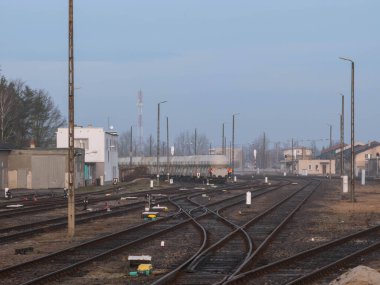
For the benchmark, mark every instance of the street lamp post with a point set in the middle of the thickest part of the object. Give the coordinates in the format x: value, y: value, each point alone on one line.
x: 292, y: 157
x: 195, y: 142
x: 330, y: 148
x: 233, y: 144
x: 167, y: 147
x: 352, y: 171
x: 130, y: 150
x: 223, y: 138
x: 158, y: 141
x: 342, y: 138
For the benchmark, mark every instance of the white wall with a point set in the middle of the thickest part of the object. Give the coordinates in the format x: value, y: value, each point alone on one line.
x: 101, y: 147
x: 111, y: 158
x: 95, y: 136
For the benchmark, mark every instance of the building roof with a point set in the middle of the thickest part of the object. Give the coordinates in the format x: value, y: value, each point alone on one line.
x: 361, y: 148
x: 333, y: 148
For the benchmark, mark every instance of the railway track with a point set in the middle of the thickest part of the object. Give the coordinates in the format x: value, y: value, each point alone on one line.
x: 224, y: 251
x: 52, y: 265
x: 23, y: 231
x: 59, y: 203
x: 312, y: 265
x: 44, y: 268
x: 263, y: 228
x: 227, y: 246
x: 26, y: 230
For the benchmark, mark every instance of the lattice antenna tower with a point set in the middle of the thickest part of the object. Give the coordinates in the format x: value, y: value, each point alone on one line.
x: 140, y: 122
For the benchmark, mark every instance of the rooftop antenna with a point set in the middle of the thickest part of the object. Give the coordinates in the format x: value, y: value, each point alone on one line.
x: 140, y: 122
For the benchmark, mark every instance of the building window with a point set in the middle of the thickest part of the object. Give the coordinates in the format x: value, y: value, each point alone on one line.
x: 309, y: 166
x: 316, y: 167
x: 81, y: 143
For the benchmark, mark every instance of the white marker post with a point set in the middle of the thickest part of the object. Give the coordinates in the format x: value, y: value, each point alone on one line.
x: 363, y: 176
x: 151, y: 184
x: 345, y: 183
x: 248, y: 199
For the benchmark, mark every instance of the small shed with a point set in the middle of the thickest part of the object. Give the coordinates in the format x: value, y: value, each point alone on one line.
x: 5, y: 149
x: 43, y: 168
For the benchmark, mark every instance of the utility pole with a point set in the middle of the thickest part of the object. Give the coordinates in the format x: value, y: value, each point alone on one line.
x: 233, y: 144
x: 195, y: 143
x: 130, y: 150
x: 150, y: 145
x: 330, y: 149
x: 230, y: 153
x: 158, y: 142
x: 342, y: 138
x: 140, y: 125
x: 264, y: 158
x: 292, y: 157
x: 167, y: 145
x: 71, y: 190
x: 341, y: 146
x: 223, y: 138
x: 352, y: 171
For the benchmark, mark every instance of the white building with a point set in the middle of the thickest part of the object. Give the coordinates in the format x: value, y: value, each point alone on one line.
x: 298, y: 153
x: 101, y: 153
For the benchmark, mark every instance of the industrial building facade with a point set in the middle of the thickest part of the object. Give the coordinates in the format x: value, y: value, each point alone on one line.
x: 100, y: 152
x: 42, y: 168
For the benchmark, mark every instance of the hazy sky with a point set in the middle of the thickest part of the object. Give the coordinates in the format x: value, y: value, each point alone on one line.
x: 274, y: 62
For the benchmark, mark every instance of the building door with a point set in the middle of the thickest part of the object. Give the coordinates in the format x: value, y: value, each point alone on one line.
x: 324, y: 169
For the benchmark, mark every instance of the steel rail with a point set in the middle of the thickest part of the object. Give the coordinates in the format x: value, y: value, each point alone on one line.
x: 7, y: 271
x: 301, y: 258
x: 197, y: 257
x: 276, y: 230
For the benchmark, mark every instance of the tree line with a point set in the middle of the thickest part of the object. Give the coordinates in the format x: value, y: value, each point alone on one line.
x: 260, y: 153
x: 27, y: 115
x: 185, y: 143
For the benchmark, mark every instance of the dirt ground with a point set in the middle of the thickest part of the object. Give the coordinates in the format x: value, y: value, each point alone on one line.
x: 363, y: 213
x: 335, y: 214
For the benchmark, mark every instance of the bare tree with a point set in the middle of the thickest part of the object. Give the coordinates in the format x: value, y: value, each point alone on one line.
x: 27, y: 114
x: 184, y: 144
x: 7, y: 110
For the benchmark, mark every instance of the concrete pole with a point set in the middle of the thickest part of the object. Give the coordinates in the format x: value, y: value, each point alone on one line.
x: 342, y: 137
x: 223, y: 138
x: 158, y: 144
x: 71, y: 162
x: 353, y: 132
x: 233, y: 145
x: 195, y: 142
x: 130, y: 150
x: 352, y: 169
x: 167, y: 146
x: 150, y: 145
x: 292, y: 157
x: 330, y: 148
